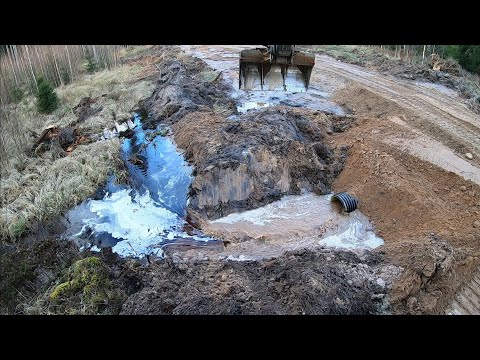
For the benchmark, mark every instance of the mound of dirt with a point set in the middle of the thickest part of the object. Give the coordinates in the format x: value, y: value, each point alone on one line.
x: 433, y: 269
x: 253, y: 160
x: 425, y: 214
x: 363, y: 102
x: 245, y: 161
x: 404, y: 196
x: 303, y: 282
x: 181, y: 88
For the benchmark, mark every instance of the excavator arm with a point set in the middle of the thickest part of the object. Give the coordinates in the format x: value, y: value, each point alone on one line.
x: 275, y: 67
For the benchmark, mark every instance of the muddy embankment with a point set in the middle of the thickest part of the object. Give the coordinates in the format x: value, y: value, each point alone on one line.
x: 424, y: 213
x: 242, y: 161
x: 422, y: 202
x: 301, y: 282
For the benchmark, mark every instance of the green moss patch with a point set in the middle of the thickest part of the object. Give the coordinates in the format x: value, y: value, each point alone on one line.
x: 88, y: 289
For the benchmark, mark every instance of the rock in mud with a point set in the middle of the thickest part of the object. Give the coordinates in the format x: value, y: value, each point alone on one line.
x: 469, y: 156
x: 129, y: 133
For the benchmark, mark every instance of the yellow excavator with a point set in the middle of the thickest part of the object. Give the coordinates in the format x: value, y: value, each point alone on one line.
x: 275, y: 67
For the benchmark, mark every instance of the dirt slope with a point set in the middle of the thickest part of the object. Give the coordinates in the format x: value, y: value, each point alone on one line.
x: 251, y: 161
x: 443, y: 115
x: 245, y: 161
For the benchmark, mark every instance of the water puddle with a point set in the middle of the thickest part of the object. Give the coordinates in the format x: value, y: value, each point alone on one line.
x: 226, y: 61
x: 438, y: 87
x: 249, y: 105
x: 314, y: 99
x: 142, y: 217
x: 296, y: 221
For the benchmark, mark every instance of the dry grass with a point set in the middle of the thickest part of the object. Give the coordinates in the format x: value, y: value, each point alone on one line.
x: 41, y: 188
x: 133, y: 51
x: 46, y: 187
x: 353, y: 54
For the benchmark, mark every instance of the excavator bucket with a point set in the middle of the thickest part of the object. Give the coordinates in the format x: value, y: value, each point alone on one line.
x: 269, y: 69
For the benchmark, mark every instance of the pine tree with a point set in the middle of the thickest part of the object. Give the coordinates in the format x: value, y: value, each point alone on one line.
x: 47, y: 99
x: 90, y: 64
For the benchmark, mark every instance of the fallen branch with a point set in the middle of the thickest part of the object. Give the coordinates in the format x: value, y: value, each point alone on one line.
x: 47, y: 133
x: 33, y: 133
x: 220, y: 73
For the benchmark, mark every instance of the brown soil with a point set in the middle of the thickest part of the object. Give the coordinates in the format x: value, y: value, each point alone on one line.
x: 441, y: 116
x: 410, y: 201
x: 406, y: 197
x: 245, y: 163
x: 434, y: 69
x: 425, y: 214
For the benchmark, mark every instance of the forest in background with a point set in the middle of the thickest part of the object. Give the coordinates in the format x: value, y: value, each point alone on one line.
x: 468, y: 56
x: 22, y: 65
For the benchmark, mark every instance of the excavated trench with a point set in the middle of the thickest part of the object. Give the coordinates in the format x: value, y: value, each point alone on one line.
x: 141, y: 217
x: 274, y: 160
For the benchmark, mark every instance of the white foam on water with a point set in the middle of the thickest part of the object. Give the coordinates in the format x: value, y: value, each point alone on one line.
x: 137, y: 219
x: 251, y: 105
x: 239, y: 258
x: 274, y: 211
x: 297, y: 217
x: 356, y: 236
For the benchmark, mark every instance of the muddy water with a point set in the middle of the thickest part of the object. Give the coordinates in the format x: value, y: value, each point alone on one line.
x: 225, y: 59
x: 147, y: 214
x: 303, y: 221
x: 140, y: 218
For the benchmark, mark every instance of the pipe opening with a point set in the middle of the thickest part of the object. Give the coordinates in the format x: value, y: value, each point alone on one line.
x: 349, y: 203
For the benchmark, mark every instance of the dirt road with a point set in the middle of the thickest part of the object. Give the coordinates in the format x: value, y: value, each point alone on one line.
x: 407, y: 164
x: 435, y: 115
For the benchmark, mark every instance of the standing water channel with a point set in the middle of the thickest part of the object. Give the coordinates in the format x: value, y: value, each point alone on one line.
x: 146, y: 215
x: 140, y: 218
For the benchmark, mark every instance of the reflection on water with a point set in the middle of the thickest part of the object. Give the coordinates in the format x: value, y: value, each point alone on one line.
x: 135, y: 220
x: 155, y: 165
x: 314, y: 98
